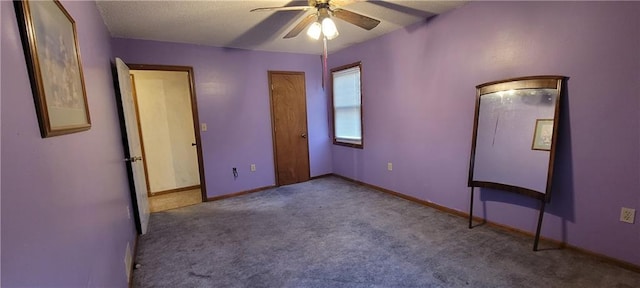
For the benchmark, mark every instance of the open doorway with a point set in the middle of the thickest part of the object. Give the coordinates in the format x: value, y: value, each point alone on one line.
x: 169, y: 131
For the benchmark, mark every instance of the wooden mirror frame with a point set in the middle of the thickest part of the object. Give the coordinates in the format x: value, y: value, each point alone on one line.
x: 548, y: 82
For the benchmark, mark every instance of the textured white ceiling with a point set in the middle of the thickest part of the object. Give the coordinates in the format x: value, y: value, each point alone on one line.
x: 227, y: 23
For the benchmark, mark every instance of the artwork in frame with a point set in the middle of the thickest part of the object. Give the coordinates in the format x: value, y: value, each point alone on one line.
x: 50, y: 44
x: 543, y: 135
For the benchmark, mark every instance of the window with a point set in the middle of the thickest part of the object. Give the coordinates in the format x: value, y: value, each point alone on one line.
x: 347, y: 105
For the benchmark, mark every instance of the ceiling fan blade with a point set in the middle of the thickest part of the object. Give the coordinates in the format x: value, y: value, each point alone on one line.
x: 301, y: 25
x: 289, y: 8
x: 359, y: 20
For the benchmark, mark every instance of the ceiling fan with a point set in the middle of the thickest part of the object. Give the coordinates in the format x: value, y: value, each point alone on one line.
x: 321, y: 22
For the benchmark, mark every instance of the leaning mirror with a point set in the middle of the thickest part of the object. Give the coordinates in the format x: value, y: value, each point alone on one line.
x: 514, y: 138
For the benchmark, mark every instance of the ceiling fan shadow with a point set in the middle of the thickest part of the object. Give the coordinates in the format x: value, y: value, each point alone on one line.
x: 268, y: 29
x: 426, y: 15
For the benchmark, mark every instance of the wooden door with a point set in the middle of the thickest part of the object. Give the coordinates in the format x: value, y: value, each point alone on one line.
x: 132, y: 147
x: 289, y: 124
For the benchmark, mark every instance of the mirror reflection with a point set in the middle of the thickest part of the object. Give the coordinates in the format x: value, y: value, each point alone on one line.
x: 514, y: 134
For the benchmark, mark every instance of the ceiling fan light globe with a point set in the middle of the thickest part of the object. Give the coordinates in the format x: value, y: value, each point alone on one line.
x: 314, y: 30
x: 329, y: 28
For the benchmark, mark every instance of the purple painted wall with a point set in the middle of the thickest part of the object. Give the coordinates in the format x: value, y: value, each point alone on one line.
x: 64, y: 199
x: 418, y: 95
x: 233, y: 99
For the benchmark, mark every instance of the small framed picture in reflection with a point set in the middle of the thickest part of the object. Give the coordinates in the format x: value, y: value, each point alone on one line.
x: 543, y: 134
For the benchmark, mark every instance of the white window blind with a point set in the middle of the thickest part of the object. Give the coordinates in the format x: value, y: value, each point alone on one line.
x: 347, y: 106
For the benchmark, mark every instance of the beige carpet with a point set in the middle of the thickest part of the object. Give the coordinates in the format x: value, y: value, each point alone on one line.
x: 174, y: 200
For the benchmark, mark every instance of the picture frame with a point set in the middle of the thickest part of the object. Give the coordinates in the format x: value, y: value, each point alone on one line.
x: 542, y: 135
x: 50, y: 43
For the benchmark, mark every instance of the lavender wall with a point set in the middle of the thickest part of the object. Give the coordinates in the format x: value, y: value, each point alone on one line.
x: 418, y: 100
x: 233, y: 99
x: 64, y: 199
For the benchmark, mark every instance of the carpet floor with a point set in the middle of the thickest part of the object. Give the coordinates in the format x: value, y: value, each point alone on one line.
x: 330, y: 232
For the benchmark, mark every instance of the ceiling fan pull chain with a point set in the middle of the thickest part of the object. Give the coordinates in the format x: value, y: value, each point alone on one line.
x: 324, y: 59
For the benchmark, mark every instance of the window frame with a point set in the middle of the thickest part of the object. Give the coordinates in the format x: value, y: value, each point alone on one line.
x: 336, y: 141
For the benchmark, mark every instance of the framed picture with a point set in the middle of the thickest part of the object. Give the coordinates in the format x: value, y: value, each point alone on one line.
x: 542, y: 135
x: 53, y: 59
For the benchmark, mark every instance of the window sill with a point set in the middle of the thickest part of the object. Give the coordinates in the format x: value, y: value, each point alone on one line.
x: 348, y: 143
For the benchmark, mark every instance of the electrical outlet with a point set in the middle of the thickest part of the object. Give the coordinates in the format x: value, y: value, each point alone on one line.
x: 203, y: 126
x: 253, y: 167
x: 128, y: 213
x: 627, y: 215
x: 390, y: 166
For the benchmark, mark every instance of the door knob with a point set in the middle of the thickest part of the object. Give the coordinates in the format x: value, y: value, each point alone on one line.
x: 303, y: 135
x: 193, y: 144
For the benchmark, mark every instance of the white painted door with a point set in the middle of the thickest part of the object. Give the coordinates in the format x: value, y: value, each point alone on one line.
x: 134, y: 156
